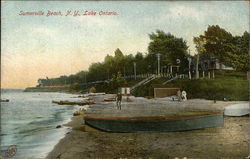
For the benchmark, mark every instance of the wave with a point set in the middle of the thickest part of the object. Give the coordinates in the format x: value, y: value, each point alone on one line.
x: 31, y: 124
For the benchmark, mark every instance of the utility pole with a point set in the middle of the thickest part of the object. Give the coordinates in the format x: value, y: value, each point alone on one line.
x: 165, y: 71
x: 198, y: 57
x: 197, y: 66
x: 200, y: 45
x: 108, y: 74
x: 124, y: 72
x: 158, y: 58
x: 149, y: 70
x: 135, y: 70
x: 189, y: 67
x: 85, y: 79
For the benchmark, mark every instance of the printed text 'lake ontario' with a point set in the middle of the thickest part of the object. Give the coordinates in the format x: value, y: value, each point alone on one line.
x: 73, y: 13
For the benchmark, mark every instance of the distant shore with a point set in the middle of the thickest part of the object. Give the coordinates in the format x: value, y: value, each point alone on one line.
x: 229, y: 141
x: 60, y: 90
x: 45, y: 89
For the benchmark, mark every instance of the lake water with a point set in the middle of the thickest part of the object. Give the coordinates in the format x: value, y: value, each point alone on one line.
x: 29, y: 121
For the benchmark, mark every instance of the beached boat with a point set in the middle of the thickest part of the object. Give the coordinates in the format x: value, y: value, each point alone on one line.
x: 5, y: 100
x: 66, y: 102
x: 96, y: 94
x: 109, y: 99
x: 182, y: 122
x: 240, y: 109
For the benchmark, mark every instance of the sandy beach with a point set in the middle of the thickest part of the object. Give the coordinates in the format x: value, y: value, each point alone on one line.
x: 83, y: 142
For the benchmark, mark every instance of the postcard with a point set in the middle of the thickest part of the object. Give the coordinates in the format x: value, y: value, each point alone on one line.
x: 125, y: 79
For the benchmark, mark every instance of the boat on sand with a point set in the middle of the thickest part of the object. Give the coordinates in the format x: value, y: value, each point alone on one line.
x: 66, y: 102
x: 109, y: 99
x: 168, y: 123
x: 239, y: 109
x: 5, y: 100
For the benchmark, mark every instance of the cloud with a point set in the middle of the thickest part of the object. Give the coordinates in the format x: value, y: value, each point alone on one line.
x: 101, y: 21
x: 183, y: 11
x: 178, y: 15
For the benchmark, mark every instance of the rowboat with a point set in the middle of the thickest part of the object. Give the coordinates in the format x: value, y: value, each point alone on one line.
x: 109, y: 99
x: 240, y: 109
x: 5, y: 100
x: 66, y: 102
x: 168, y: 123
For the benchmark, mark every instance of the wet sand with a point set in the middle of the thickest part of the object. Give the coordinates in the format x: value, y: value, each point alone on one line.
x: 230, y: 141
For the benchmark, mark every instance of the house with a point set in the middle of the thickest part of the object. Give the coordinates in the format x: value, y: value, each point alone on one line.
x: 211, y: 63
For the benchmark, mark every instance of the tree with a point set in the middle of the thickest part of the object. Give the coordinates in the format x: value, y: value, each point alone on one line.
x: 109, y: 65
x: 141, y: 64
x: 128, y: 64
x: 170, y: 48
x: 214, y: 42
x: 230, y: 50
x: 240, y: 54
x: 82, y: 76
x: 118, y: 61
x: 75, y: 86
x: 117, y: 81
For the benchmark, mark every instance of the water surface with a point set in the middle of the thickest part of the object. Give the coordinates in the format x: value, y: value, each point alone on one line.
x: 29, y: 121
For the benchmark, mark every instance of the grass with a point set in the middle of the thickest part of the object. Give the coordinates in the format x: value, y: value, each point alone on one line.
x: 229, y: 85
x: 144, y: 90
x: 215, y: 89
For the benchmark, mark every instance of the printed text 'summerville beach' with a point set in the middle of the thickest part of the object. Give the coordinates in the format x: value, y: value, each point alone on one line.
x: 127, y: 80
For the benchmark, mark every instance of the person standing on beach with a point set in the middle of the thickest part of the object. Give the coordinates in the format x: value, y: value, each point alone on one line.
x: 184, y: 95
x: 179, y: 95
x: 118, y: 101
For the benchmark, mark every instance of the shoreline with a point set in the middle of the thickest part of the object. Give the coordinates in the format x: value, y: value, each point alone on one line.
x: 75, y: 124
x: 228, y: 141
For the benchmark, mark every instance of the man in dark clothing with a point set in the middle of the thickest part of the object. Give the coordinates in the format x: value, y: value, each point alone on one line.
x: 118, y: 101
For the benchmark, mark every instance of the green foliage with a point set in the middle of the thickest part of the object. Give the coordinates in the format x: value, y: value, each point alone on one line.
x: 229, y: 85
x: 117, y: 81
x: 96, y: 72
x: 170, y: 48
x: 112, y: 87
x: 75, y: 87
x: 230, y: 50
x: 231, y: 75
x: 143, y: 90
x: 168, y: 45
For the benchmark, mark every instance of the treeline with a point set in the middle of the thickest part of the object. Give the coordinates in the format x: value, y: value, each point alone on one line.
x: 230, y: 50
x: 215, y: 42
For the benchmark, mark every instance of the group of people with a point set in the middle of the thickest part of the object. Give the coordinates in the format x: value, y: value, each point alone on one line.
x: 181, y: 95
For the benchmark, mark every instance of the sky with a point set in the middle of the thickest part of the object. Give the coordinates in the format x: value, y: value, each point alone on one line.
x: 40, y: 46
